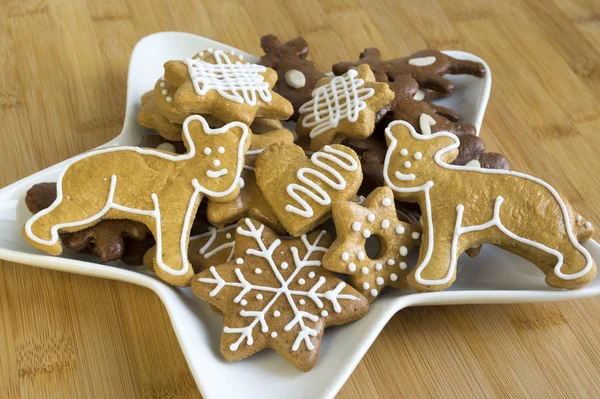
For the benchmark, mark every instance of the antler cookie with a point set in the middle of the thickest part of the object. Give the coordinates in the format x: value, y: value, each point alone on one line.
x: 464, y: 207
x: 427, y: 66
x: 301, y: 190
x: 159, y: 189
x: 224, y: 85
x: 276, y: 294
x: 296, y: 76
x: 212, y: 248
x: 354, y: 225
x: 343, y: 106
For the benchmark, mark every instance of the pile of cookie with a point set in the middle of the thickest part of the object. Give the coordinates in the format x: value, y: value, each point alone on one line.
x: 225, y: 198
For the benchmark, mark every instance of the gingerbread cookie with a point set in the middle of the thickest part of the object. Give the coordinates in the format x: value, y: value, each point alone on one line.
x: 427, y: 67
x: 159, y: 189
x: 465, y: 206
x: 225, y: 86
x: 343, y: 106
x: 109, y: 240
x: 211, y: 248
x: 149, y: 116
x: 296, y: 76
x: 276, y: 294
x: 355, y: 225
x: 301, y: 190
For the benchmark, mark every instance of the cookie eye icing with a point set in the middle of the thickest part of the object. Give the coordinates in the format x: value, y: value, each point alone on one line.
x: 407, y: 164
x: 216, y: 162
x: 404, y: 152
x: 221, y: 150
x: 207, y: 151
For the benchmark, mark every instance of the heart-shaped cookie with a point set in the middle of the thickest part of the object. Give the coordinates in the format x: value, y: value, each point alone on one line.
x: 300, y: 190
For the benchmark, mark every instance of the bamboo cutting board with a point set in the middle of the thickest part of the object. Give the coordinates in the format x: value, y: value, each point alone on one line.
x: 63, y: 70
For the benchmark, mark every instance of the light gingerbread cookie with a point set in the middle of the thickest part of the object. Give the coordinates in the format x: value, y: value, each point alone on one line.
x: 276, y: 294
x: 467, y: 206
x: 354, y: 225
x: 343, y: 107
x: 222, y: 84
x: 150, y: 116
x: 300, y: 190
x: 157, y: 188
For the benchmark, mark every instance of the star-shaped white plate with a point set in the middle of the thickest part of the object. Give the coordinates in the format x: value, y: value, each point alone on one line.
x: 495, y: 276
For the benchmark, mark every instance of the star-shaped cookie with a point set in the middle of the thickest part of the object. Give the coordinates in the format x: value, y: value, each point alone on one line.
x: 343, y: 107
x: 355, y: 225
x: 275, y: 294
x: 224, y: 85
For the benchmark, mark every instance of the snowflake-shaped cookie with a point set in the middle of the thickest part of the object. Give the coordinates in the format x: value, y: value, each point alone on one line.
x: 276, y: 294
x: 343, y: 106
x: 355, y: 224
x: 224, y: 85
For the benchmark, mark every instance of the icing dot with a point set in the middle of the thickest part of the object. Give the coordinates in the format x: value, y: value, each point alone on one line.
x: 422, y: 61
x: 403, y: 250
x: 259, y: 296
x: 418, y: 155
x: 378, y: 266
x: 207, y: 150
x: 169, y: 99
x: 324, y: 313
x: 588, y: 225
x: 239, y: 261
x: 345, y: 256
x: 221, y: 150
x: 366, y: 285
x: 403, y: 265
x: 356, y: 226
x: 404, y: 152
x: 393, y: 277
x: 276, y: 313
x: 302, y: 302
x: 379, y: 281
x: 416, y: 235
x: 578, y: 218
x: 391, y: 262
x: 419, y: 95
x: 228, y: 235
x: 216, y: 162
x: 374, y: 292
x: 242, y: 183
x: 257, y: 271
x: 361, y: 255
x: 274, y: 334
x: 371, y: 217
x: 352, y: 267
x: 162, y: 78
x: 367, y: 233
x: 301, y: 281
x: 365, y: 270
x: 284, y: 265
x: 162, y: 84
x: 385, y: 224
x: 399, y: 230
x: 386, y: 202
x: 295, y: 78
x: 311, y: 275
x: 243, y: 302
x: 166, y: 147
x: 164, y: 92
x: 407, y: 164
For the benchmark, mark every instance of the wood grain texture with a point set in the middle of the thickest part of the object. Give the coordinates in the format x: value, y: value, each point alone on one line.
x: 62, y: 91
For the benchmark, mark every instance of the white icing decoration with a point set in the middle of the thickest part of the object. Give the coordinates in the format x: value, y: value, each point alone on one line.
x: 212, y: 236
x: 379, y: 281
x: 356, y: 226
x: 418, y: 155
x: 221, y: 150
x: 217, y: 163
x: 313, y: 190
x: 403, y: 250
x: 341, y: 98
x: 284, y: 265
x: 404, y: 152
x: 243, y: 302
x: 579, y: 218
x: 162, y: 84
x: 391, y: 262
x: 425, y: 123
x: 153, y: 213
x: 360, y: 255
x: 366, y: 233
x: 386, y: 202
x: 364, y: 270
x: 311, y: 275
x: 416, y: 235
x: 301, y: 281
x: 422, y: 61
x: 295, y: 79
x: 168, y: 147
x: 207, y: 151
x: 345, y: 256
x: 164, y: 92
x: 305, y: 332
x: 169, y: 99
x: 385, y: 224
x: 352, y: 267
x: 324, y: 313
x: 407, y: 164
x: 393, y: 277
x: 403, y: 265
x: 378, y: 266
x: 419, y: 95
x: 366, y: 286
x: 214, y: 174
x: 374, y: 292
x: 241, y: 83
x: 495, y: 221
x: 302, y: 302
x: 588, y: 224
x: 257, y: 271
x: 259, y: 296
x: 399, y: 230
x: 274, y: 334
x: 371, y: 217
x: 239, y: 261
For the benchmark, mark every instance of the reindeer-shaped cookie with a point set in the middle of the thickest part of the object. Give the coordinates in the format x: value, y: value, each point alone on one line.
x: 157, y: 188
x: 465, y: 206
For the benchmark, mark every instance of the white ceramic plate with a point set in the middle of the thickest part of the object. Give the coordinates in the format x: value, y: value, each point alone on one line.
x: 495, y: 276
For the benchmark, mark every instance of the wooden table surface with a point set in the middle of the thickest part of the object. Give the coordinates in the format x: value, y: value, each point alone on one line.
x: 63, y: 70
